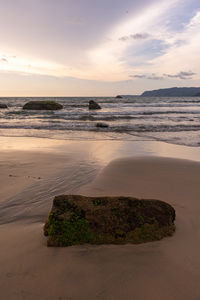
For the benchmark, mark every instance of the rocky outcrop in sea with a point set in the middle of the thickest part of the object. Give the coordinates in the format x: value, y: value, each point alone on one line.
x: 94, y: 105
x: 42, y: 105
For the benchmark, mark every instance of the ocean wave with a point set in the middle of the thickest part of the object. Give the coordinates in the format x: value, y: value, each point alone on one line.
x: 85, y: 126
x: 154, y: 117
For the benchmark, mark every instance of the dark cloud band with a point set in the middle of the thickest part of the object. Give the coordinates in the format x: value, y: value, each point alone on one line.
x: 181, y: 75
x: 136, y: 36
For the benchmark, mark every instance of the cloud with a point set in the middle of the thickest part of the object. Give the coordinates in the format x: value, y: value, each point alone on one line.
x: 145, y: 76
x: 136, y: 36
x: 113, y: 60
x: 181, y: 75
x: 4, y: 59
x: 138, y: 76
x: 155, y: 77
x: 182, y: 53
x: 109, y: 46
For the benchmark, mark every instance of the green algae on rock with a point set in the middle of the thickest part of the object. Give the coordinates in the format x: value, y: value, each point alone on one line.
x: 42, y: 105
x: 76, y: 219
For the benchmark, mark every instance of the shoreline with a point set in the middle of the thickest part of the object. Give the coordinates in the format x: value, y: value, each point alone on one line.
x: 143, y: 147
x: 167, y: 269
x: 103, y: 135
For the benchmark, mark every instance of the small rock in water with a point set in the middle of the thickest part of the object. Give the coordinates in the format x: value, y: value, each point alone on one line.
x: 94, y: 105
x: 76, y: 219
x: 197, y: 95
x: 2, y: 106
x: 102, y: 125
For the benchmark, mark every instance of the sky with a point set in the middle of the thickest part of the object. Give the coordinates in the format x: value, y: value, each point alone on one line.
x: 97, y: 48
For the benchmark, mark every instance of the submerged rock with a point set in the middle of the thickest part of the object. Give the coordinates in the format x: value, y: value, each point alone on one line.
x: 102, y: 125
x: 2, y: 105
x: 42, y: 105
x: 76, y: 219
x: 94, y: 105
x: 87, y: 118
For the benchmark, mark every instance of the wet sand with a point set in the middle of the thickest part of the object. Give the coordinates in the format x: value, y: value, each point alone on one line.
x: 167, y: 269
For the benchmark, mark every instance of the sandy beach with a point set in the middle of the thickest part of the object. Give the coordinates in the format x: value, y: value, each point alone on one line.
x: 100, y: 150
x: 33, y: 171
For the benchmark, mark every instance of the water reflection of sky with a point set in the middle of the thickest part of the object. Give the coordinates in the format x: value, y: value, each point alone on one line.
x: 100, y: 151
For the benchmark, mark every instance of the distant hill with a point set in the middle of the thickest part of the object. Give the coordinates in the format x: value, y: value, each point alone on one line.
x: 173, y: 92
x: 127, y: 96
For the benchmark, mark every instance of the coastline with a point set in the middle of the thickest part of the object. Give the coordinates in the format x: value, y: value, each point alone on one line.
x: 167, y: 269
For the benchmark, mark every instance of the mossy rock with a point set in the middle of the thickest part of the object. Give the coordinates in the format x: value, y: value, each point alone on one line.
x: 76, y: 220
x: 2, y: 106
x: 42, y: 105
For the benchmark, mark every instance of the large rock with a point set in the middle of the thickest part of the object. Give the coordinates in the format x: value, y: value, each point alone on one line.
x: 42, y: 105
x: 2, y: 105
x: 76, y: 219
x: 119, y: 97
x: 94, y: 105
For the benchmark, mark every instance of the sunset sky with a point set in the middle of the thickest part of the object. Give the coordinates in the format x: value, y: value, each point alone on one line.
x: 97, y: 47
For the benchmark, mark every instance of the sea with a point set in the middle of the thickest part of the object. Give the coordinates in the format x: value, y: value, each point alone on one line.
x: 174, y: 120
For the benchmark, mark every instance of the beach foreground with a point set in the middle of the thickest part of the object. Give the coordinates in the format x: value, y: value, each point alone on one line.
x: 167, y: 269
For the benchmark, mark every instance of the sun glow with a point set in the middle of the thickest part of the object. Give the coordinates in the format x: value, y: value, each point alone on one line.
x: 9, y: 63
